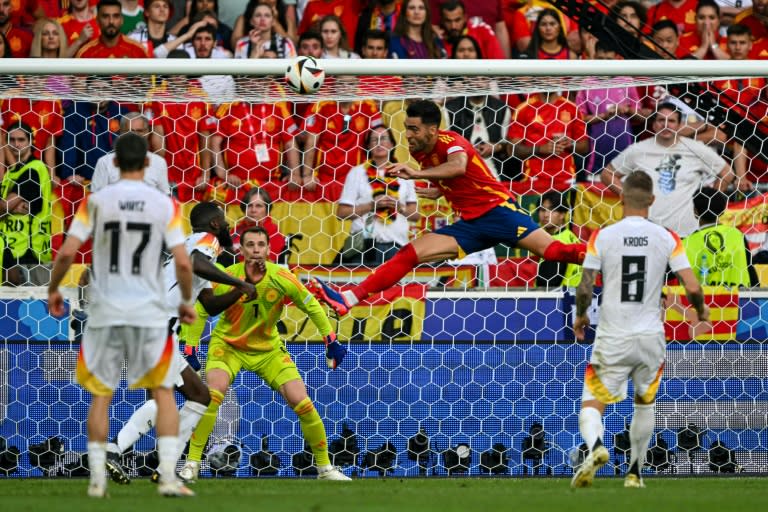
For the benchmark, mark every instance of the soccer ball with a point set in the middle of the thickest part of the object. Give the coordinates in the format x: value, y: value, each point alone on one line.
x: 305, y: 75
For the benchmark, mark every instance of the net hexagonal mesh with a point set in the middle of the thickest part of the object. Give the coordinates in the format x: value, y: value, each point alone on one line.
x: 465, y: 367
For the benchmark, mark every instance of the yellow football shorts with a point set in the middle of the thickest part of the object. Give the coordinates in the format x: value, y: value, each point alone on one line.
x: 275, y: 367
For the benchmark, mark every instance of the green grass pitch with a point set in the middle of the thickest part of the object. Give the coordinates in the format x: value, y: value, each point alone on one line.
x: 397, y: 495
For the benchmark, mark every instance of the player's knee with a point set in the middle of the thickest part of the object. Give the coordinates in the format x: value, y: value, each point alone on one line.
x: 194, y: 389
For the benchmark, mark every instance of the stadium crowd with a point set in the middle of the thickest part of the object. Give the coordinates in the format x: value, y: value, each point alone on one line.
x: 57, y: 151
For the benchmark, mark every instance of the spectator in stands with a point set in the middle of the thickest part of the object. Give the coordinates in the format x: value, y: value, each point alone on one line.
x: 154, y: 34
x: 253, y: 146
x: 334, y: 36
x: 705, y: 42
x: 219, y: 88
x: 27, y: 227
x: 202, y: 9
x: 546, y: 131
x: 553, y: 212
x: 155, y: 174
x: 548, y: 40
x: 756, y: 18
x: 315, y: 10
x: 283, y: 14
x: 180, y: 132
x: 667, y: 39
x: 50, y: 42
x: 90, y: 129
x: 681, y: 12
x: 19, y: 39
x: 521, y: 22
x: 631, y: 16
x: 491, y: 12
x: 678, y: 165
x: 454, y: 22
x: 748, y: 96
x: 379, y: 206
x: 79, y: 24
x: 311, y: 44
x: 204, y: 45
x: 5, y: 50
x: 257, y: 204
x: 379, y: 15
x: 262, y: 35
x: 111, y: 43
x: 133, y: 16
x: 607, y: 112
x: 45, y: 119
x: 413, y: 37
x: 335, y: 136
x: 483, y: 120
x: 719, y: 254
x: 374, y: 44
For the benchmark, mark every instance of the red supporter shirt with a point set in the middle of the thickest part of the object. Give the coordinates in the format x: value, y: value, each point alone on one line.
x: 125, y: 48
x: 43, y: 116
x: 476, y: 191
x: 520, y: 21
x: 759, y: 49
x: 74, y: 27
x: 485, y: 37
x: 537, y: 122
x: 19, y: 41
x: 182, y: 124
x: 747, y: 17
x: 339, y: 141
x: 347, y: 10
x: 742, y: 94
x: 489, y: 10
x: 683, y: 16
x: 255, y: 135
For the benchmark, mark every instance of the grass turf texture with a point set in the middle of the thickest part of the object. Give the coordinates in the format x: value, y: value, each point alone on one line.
x: 395, y: 495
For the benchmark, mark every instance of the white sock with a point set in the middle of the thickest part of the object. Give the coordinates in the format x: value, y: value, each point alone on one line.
x: 141, y: 421
x: 591, y: 426
x: 350, y: 297
x: 167, y: 448
x: 97, y: 462
x: 640, y: 432
x: 189, y: 416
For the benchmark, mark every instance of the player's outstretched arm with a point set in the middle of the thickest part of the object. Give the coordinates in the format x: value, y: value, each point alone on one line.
x: 305, y: 301
x: 203, y: 267
x: 216, y: 304
x: 64, y: 259
x: 583, y: 300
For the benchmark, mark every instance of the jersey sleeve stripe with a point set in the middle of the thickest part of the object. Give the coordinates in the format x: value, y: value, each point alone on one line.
x: 591, y: 245
x: 679, y: 248
x: 82, y: 215
x: 455, y: 149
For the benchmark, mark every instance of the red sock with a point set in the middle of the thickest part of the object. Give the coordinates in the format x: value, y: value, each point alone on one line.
x: 388, y: 274
x: 566, y: 253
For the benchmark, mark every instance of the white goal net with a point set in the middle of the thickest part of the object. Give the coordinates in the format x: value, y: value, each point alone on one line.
x: 477, y: 352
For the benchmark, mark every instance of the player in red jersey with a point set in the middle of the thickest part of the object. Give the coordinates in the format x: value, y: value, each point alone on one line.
x: 488, y: 214
x: 111, y: 44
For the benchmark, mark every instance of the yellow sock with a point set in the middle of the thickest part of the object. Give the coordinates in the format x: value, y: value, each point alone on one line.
x: 205, y: 427
x: 314, y: 431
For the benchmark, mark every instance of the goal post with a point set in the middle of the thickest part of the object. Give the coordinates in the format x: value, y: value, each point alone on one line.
x: 477, y: 351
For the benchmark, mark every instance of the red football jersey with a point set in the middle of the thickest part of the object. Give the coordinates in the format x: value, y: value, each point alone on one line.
x: 683, y: 16
x: 255, y: 135
x: 43, y: 116
x: 73, y: 27
x: 485, y: 37
x: 19, y: 41
x: 536, y: 122
x: 341, y: 137
x: 476, y: 191
x: 125, y: 48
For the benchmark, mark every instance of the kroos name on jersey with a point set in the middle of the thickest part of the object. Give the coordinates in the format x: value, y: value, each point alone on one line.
x: 635, y: 241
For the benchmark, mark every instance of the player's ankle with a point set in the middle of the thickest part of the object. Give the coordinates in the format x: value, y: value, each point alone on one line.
x: 597, y: 444
x: 634, y: 469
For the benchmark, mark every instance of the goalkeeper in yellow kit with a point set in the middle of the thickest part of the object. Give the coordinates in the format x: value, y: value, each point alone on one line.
x: 246, y: 338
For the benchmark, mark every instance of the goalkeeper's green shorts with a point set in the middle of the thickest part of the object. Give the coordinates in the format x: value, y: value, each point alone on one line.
x: 275, y: 367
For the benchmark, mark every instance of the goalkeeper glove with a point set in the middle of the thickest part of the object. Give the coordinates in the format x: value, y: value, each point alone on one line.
x: 190, y: 355
x: 334, y: 351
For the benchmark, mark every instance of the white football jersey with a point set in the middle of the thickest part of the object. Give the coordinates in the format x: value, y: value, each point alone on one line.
x: 633, y: 255
x: 155, y: 174
x: 131, y: 223
x: 205, y: 243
